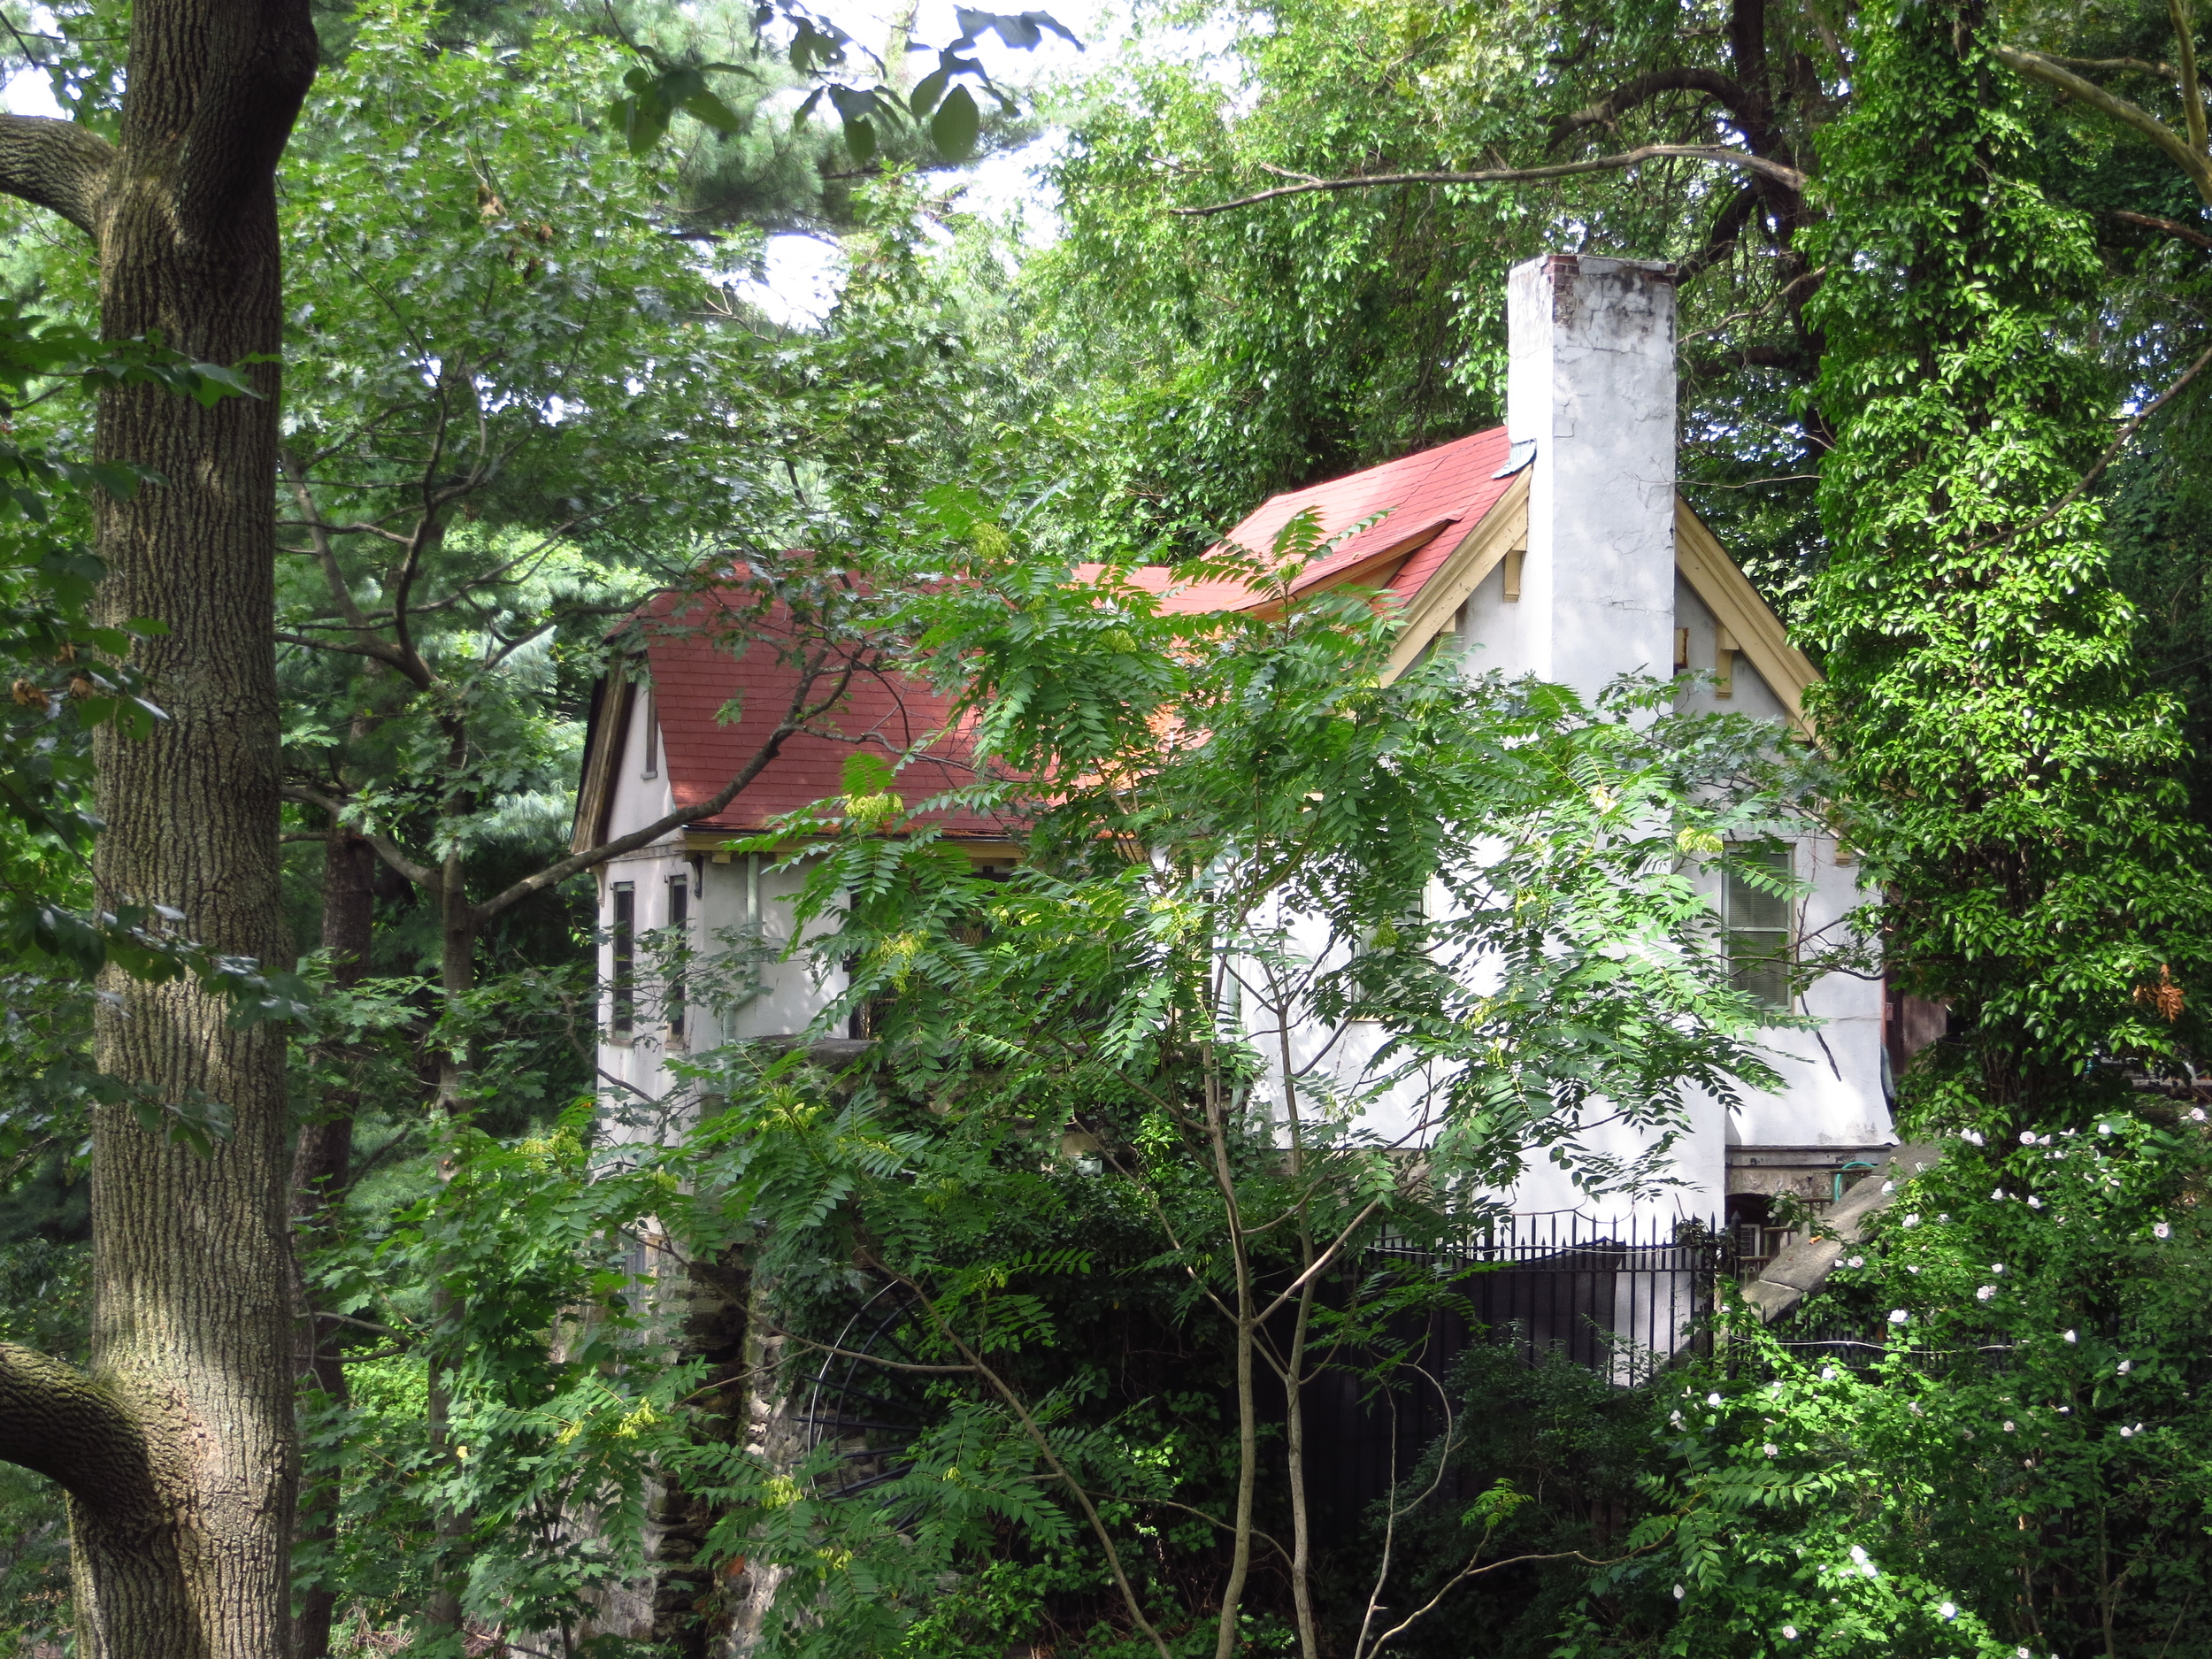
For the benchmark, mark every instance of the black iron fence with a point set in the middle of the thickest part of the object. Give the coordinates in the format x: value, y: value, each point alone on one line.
x: 1618, y: 1298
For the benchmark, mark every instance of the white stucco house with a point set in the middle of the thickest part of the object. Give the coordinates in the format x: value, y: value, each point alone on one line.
x: 1555, y: 545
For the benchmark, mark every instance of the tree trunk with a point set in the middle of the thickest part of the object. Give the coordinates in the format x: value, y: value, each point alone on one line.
x: 182, y: 1516
x: 457, y: 930
x: 321, y: 1165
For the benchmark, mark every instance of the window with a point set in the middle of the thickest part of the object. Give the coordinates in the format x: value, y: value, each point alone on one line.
x: 652, y: 733
x: 679, y: 939
x: 1760, y: 949
x: 622, y: 979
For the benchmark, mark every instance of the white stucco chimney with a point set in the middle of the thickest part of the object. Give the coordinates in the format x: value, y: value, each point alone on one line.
x: 1590, y: 381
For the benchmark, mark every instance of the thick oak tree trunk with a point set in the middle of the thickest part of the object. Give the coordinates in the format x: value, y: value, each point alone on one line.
x: 181, y: 1469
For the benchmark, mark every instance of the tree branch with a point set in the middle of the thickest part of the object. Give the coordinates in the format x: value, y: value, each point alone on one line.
x: 55, y: 164
x: 385, y: 847
x: 56, y: 1421
x: 2152, y: 221
x: 2191, y: 93
x: 2038, y: 67
x: 1787, y: 176
x: 1626, y: 96
x: 799, y: 711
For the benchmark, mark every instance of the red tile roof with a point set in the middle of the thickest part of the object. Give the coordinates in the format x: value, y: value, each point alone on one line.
x: 698, y: 669
x: 1443, y: 492
x: 1431, y: 500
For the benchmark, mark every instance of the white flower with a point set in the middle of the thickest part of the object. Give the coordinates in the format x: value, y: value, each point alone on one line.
x: 1912, y: 1221
x: 1771, y: 1449
x: 2034, y: 1203
x: 1898, y: 1316
x: 1972, y: 1137
x: 2126, y: 1365
x: 1712, y: 1400
x: 1997, y: 1194
x: 2071, y: 1337
x: 1948, y: 1610
x: 2126, y: 1433
x: 1858, y: 1554
x: 1985, y: 1292
x: 2102, y: 1129
x: 1889, y: 1186
x: 1827, y: 1373
x: 1912, y: 1267
x: 1680, y: 1593
x: 1996, y: 1267
x: 1942, y: 1218
x: 1857, y: 1261
x: 2161, y: 1230
x: 2011, y: 1428
x: 1789, y: 1632
x: 2027, y: 1137
x: 1674, y: 1418
x: 2196, y: 1114
x: 2021, y: 1653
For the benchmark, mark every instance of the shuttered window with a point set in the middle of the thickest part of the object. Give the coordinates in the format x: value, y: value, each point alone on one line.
x: 1761, y: 947
x: 622, y: 978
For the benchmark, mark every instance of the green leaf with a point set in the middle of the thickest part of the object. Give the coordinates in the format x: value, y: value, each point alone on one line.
x: 953, y: 127
x: 703, y: 107
x: 928, y: 89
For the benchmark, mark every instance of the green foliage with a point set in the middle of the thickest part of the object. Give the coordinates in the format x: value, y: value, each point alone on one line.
x: 508, y: 1288
x: 1236, y: 830
x: 1547, y: 1460
x: 2007, y: 1447
x: 2014, y: 786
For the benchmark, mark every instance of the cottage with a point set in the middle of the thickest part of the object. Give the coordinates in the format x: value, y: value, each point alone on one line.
x: 1555, y: 545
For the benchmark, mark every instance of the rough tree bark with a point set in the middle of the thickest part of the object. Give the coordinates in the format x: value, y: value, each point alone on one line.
x: 177, y: 1446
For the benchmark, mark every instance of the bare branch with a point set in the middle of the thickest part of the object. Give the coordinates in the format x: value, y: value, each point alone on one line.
x: 2134, y: 65
x: 58, y: 1422
x: 55, y: 164
x: 2191, y: 93
x: 1629, y: 95
x: 800, y: 710
x: 375, y: 648
x: 1789, y: 177
x: 385, y: 847
x: 368, y: 642
x: 2152, y: 221
x: 2038, y: 67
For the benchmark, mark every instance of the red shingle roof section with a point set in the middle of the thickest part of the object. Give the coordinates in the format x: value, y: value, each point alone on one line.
x: 1450, y: 487
x: 1431, y: 500
x: 698, y: 645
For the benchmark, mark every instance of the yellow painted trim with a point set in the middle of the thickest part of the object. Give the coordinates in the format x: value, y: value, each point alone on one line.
x: 595, y: 790
x: 1480, y: 551
x: 1739, y: 611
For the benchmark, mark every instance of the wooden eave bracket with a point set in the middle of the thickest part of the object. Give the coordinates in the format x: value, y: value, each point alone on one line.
x: 1480, y: 550
x: 1750, y: 626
